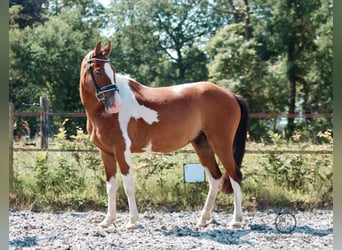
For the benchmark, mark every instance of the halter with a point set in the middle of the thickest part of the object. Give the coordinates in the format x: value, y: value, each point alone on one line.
x: 99, y: 92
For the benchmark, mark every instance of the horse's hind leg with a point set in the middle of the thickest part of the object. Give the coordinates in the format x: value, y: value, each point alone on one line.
x: 232, y: 178
x: 207, y: 158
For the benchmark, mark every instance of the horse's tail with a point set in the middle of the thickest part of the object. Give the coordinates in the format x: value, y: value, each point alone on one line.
x: 241, y: 133
x: 238, y: 146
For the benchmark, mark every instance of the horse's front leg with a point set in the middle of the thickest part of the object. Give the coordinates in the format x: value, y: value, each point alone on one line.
x: 129, y: 185
x: 109, y: 163
x: 125, y: 163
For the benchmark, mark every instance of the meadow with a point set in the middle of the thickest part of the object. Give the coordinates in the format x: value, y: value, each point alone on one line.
x: 60, y: 181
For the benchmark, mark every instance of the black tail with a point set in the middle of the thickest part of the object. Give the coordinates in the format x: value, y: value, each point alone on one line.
x: 238, y: 147
x: 241, y: 133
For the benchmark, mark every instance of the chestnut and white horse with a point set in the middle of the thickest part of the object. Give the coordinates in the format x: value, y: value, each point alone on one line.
x: 125, y: 117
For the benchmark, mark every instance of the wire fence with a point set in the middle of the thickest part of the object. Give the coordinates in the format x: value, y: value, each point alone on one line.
x: 44, y: 114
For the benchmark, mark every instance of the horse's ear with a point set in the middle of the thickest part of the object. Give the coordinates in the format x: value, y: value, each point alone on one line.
x: 97, y: 49
x: 107, y: 49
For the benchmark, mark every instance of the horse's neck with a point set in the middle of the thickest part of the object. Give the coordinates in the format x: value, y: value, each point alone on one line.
x: 136, y: 87
x: 130, y: 86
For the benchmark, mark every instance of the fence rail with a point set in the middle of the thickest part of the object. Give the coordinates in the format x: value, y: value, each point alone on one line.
x: 184, y: 151
x: 251, y: 115
x: 44, y: 114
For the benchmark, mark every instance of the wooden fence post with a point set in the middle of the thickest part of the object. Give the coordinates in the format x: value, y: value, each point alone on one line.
x: 44, y: 123
x: 10, y: 122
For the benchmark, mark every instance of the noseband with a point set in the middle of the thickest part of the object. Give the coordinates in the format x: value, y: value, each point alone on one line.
x: 99, y: 91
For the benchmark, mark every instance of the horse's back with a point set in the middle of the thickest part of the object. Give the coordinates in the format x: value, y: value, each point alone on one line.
x: 199, y: 102
x: 216, y: 103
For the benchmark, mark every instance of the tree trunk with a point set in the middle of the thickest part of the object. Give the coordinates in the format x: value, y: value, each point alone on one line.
x: 247, y: 21
x: 181, y: 67
x: 291, y: 76
x: 44, y: 123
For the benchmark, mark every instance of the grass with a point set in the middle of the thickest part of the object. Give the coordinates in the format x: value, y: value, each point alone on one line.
x: 75, y: 181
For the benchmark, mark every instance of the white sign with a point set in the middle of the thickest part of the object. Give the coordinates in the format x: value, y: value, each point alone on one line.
x: 193, y: 172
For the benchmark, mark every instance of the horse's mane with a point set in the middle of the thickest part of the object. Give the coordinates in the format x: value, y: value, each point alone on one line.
x: 125, y: 76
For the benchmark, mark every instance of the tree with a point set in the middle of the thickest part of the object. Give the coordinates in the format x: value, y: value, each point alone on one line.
x: 45, y: 60
x: 277, y: 54
x: 283, y: 61
x: 168, y: 29
x: 31, y: 12
x: 297, y: 39
x: 235, y: 64
x: 135, y: 46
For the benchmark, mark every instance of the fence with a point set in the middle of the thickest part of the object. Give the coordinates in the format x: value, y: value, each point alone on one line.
x: 44, y: 115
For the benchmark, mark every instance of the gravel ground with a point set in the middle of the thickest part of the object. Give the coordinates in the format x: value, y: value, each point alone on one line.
x: 167, y: 230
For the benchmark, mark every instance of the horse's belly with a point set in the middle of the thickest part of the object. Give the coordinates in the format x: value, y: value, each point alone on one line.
x: 167, y: 145
x: 163, y: 139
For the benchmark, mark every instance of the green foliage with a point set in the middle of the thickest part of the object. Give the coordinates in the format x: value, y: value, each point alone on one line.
x: 160, y: 183
x: 42, y: 171
x: 275, y: 67
x: 277, y: 54
x: 75, y: 180
x: 160, y: 38
x: 45, y: 61
x: 259, y: 49
x: 31, y: 12
x: 304, y: 174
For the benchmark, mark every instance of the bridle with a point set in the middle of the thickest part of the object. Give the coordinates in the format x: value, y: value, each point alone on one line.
x: 100, y: 91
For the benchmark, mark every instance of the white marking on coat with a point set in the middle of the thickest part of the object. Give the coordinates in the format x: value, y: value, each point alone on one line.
x: 209, y: 203
x: 111, y: 194
x: 237, y: 216
x: 109, y: 72
x: 130, y: 108
x: 129, y: 185
x: 148, y: 148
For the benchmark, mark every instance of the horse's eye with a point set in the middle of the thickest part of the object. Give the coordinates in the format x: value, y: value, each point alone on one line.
x: 98, y: 72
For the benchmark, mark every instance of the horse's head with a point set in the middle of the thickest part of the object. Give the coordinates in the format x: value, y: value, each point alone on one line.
x: 99, y: 77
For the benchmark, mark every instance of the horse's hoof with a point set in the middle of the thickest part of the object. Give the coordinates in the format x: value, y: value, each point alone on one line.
x: 203, y: 223
x: 133, y: 226
x: 106, y: 223
x: 235, y: 225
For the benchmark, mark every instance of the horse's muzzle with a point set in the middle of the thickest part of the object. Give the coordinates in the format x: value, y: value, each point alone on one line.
x: 112, y: 102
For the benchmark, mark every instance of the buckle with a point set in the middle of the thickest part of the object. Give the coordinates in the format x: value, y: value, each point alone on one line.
x: 100, y: 93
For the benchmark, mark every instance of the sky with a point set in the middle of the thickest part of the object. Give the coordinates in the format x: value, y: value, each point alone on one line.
x: 105, y: 3
x: 109, y: 31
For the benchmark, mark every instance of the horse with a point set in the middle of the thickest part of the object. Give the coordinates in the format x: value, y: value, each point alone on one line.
x: 125, y: 117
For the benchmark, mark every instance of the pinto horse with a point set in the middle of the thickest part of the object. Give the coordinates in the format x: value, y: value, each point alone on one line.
x: 125, y: 117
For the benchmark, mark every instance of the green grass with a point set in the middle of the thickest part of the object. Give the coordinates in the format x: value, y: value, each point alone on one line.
x: 75, y: 181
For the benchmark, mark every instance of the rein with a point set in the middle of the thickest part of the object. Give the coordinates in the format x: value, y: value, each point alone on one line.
x: 99, y: 91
